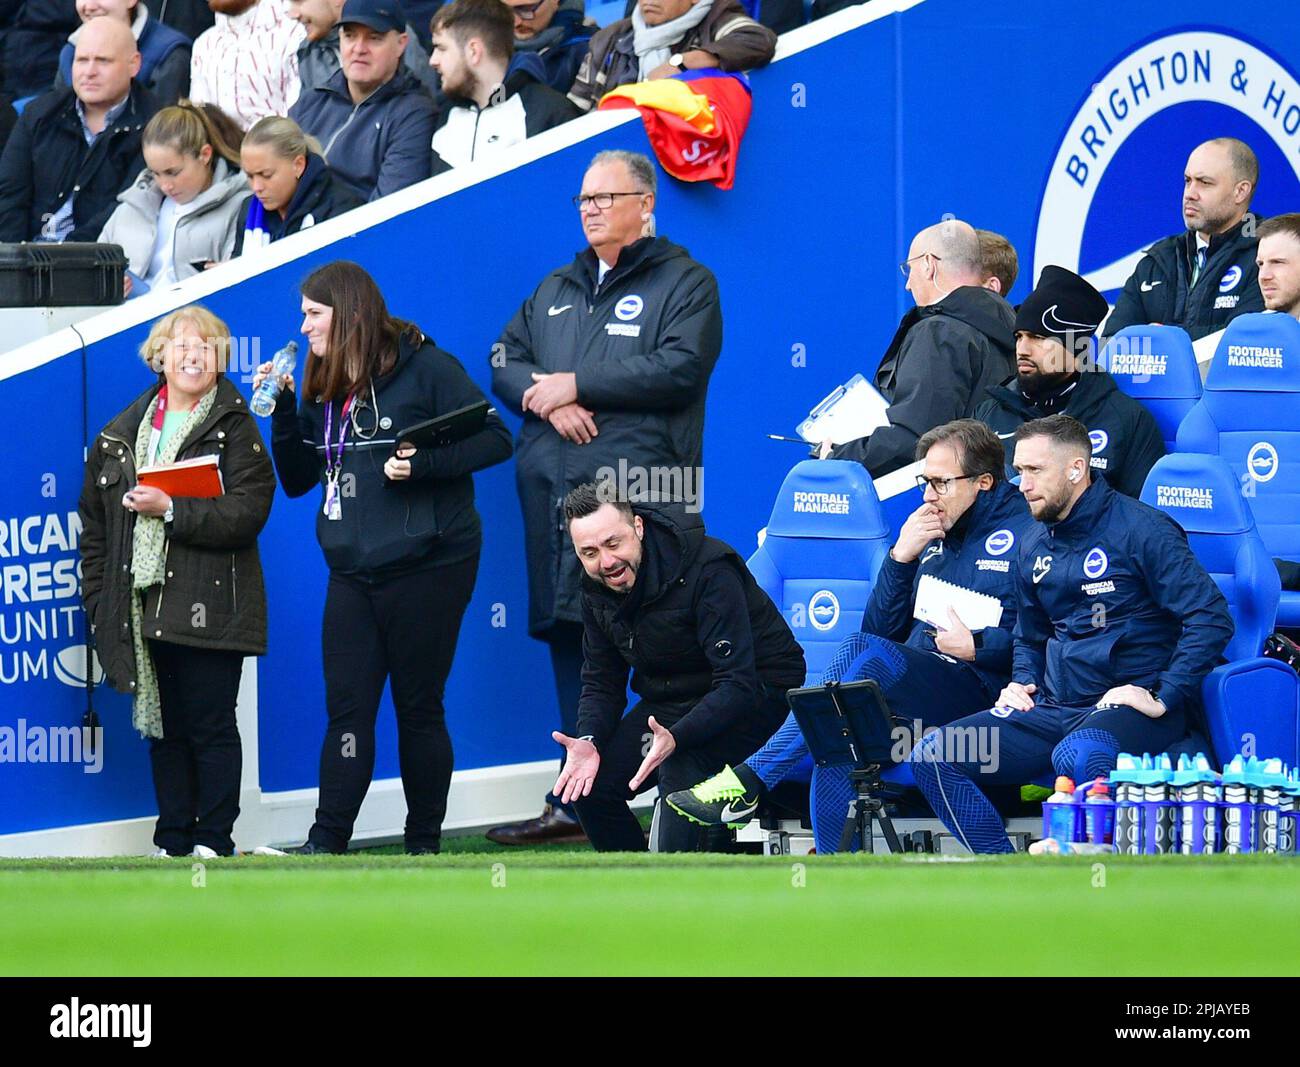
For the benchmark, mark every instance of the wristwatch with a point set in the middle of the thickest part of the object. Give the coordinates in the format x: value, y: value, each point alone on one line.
x: 170, y: 513
x: 677, y: 60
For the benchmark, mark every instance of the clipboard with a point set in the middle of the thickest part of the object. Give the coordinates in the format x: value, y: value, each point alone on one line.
x: 446, y: 429
x: 848, y: 412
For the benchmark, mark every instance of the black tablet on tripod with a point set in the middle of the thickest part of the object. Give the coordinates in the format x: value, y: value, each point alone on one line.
x: 849, y: 724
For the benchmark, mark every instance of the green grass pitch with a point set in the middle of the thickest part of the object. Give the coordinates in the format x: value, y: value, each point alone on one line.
x: 573, y: 912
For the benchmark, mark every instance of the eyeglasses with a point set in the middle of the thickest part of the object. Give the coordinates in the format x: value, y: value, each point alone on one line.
x: 526, y: 11
x: 942, y: 486
x: 906, y: 265
x: 603, y: 201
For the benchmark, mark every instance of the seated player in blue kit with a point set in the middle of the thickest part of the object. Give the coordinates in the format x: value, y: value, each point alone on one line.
x: 1118, y: 625
x: 966, y: 532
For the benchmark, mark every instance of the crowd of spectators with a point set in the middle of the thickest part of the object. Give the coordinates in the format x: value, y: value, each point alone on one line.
x: 391, y: 92
x: 195, y: 136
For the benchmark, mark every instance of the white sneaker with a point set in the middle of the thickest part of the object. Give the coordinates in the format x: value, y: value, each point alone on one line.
x: 159, y: 854
x: 267, y: 850
x: 202, y: 852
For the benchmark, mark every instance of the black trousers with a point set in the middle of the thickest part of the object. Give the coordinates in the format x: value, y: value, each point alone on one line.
x: 404, y: 631
x: 605, y: 815
x: 197, y: 761
x: 564, y: 640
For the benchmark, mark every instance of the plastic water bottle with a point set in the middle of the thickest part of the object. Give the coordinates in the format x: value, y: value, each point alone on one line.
x: 1274, y: 800
x: 1158, y: 825
x: 1238, y: 809
x: 1058, y: 812
x: 1100, y: 813
x: 282, y: 363
x: 1127, y: 779
x: 1289, y: 813
x: 1196, y: 786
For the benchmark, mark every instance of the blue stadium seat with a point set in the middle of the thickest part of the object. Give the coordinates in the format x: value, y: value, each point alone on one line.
x: 1156, y: 365
x: 1249, y: 696
x: 1249, y: 414
x: 824, y: 545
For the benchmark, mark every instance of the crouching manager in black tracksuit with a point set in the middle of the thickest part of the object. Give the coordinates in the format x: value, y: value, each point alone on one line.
x: 1056, y: 374
x: 711, y: 658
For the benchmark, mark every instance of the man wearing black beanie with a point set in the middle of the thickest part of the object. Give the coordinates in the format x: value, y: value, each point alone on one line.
x: 1057, y: 373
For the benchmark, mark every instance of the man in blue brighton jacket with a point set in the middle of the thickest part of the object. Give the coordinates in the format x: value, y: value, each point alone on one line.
x: 964, y: 533
x: 1118, y: 625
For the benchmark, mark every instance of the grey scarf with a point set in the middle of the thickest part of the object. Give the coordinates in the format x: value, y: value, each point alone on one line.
x: 653, y: 45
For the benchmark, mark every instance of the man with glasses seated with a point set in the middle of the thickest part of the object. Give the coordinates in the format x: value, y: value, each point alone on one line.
x: 966, y: 532
x: 946, y: 351
x: 557, y: 32
x: 608, y: 363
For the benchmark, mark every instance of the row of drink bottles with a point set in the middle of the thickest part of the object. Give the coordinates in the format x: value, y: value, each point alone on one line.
x: 1148, y: 806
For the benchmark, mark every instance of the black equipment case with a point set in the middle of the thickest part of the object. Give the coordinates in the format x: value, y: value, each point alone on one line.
x: 61, y: 275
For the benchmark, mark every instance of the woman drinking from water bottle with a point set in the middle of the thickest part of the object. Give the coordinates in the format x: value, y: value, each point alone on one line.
x: 400, y: 535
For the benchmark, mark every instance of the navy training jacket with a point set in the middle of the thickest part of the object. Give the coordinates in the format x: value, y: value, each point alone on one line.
x: 1110, y: 596
x: 978, y: 553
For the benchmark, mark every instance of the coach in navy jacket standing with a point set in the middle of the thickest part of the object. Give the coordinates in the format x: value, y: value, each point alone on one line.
x: 608, y: 363
x: 1118, y: 626
x: 965, y: 533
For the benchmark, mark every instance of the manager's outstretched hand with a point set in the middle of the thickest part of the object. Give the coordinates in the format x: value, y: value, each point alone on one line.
x: 662, y: 745
x: 581, y: 762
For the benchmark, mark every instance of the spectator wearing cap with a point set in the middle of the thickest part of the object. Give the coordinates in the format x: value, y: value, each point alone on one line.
x: 1001, y: 264
x: 1203, y: 278
x: 374, y: 120
x: 494, y: 101
x: 558, y: 32
x: 665, y: 37
x: 1057, y: 374
x: 247, y: 64
x: 318, y: 55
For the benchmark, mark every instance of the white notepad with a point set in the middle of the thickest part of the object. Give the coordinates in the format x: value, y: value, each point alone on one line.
x: 934, y: 596
x: 853, y: 410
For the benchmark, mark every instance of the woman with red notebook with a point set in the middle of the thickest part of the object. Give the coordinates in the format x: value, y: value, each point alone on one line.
x: 171, y: 580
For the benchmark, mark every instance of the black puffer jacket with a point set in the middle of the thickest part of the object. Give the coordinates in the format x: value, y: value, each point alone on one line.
x: 642, y: 350
x: 1126, y: 441
x: 942, y: 358
x: 389, y: 528
x: 46, y: 159
x: 1160, y: 290
x: 695, y: 628
x: 212, y: 561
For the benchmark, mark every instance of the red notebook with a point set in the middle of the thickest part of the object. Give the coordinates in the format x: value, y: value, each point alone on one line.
x: 199, y: 477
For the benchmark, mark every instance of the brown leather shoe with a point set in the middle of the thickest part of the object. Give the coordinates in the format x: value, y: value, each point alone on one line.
x: 552, y: 827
